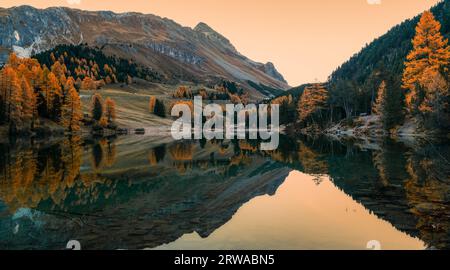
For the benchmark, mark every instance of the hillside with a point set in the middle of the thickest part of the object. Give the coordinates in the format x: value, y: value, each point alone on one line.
x: 132, y: 106
x: 357, y: 80
x: 178, y: 53
x: 73, y: 55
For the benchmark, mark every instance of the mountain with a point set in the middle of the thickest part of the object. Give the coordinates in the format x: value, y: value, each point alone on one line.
x: 179, y: 53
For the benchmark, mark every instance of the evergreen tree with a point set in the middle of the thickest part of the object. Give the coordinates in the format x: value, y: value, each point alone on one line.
x: 97, y: 107
x: 388, y: 104
x: 160, y: 109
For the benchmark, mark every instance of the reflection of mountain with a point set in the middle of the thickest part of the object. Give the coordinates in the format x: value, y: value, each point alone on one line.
x: 408, y: 187
x: 136, y: 193
x: 145, y: 205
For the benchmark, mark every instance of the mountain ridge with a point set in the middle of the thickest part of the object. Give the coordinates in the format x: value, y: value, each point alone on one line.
x: 198, y: 54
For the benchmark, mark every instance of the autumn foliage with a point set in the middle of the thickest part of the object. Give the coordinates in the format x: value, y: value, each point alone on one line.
x: 183, y: 92
x: 71, y: 114
x: 312, y: 104
x: 103, y: 113
x: 426, y: 68
x: 110, y: 110
x: 418, y: 93
x: 30, y: 91
x: 151, y: 104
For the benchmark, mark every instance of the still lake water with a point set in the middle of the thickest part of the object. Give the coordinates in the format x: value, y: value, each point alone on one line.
x: 141, y: 192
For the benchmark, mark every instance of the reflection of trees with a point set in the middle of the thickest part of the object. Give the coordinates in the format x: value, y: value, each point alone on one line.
x: 313, y: 162
x: 156, y: 155
x: 223, y: 148
x: 409, y: 187
x: 97, y: 156
x: 213, y: 156
x: 409, y: 190
x: 247, y: 146
x: 379, y: 162
x: 110, y: 153
x: 390, y: 162
x: 92, y: 187
x: 428, y: 194
x: 103, y: 154
x: 182, y: 151
x: 16, y: 184
x: 33, y: 176
x: 311, y: 157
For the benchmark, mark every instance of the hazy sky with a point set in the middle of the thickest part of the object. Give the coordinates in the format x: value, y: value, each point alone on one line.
x: 305, y: 39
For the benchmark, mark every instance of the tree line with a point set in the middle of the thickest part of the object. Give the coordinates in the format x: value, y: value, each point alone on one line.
x: 354, y: 85
x: 421, y: 94
x: 90, y: 63
x: 31, y: 92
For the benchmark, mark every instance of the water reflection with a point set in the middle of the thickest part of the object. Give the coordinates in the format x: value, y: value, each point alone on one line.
x: 139, y: 192
x: 301, y: 215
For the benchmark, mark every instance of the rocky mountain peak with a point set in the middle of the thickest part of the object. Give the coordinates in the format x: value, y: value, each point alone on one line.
x: 158, y: 43
x: 269, y: 69
x: 214, y: 35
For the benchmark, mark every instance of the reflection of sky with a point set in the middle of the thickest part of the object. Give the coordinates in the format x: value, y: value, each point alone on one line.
x: 301, y: 215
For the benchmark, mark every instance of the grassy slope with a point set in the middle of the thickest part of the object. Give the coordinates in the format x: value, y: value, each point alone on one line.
x: 132, y: 104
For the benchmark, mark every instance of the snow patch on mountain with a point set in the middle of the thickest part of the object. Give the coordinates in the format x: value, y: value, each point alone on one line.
x: 22, y: 52
x: 17, y: 36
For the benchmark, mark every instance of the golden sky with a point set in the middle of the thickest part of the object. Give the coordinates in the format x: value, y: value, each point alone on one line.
x: 305, y: 39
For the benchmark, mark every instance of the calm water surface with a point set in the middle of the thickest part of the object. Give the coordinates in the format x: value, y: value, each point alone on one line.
x: 150, y: 193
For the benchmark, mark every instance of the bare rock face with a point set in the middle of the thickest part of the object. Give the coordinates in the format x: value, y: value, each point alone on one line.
x: 159, y: 43
x: 211, y: 34
x: 269, y: 69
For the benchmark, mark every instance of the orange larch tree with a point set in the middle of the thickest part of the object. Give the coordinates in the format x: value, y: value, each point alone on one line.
x: 28, y: 102
x: 311, y: 104
x: 54, y: 99
x: 110, y: 110
x: 15, y: 108
x: 436, y: 99
x: 151, y: 104
x: 430, y: 54
x: 11, y: 94
x: 380, y: 102
x: 71, y: 114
